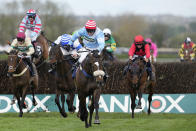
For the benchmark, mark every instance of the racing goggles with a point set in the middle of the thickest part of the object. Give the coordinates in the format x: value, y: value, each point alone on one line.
x: 20, y: 39
x: 90, y: 30
x: 31, y: 16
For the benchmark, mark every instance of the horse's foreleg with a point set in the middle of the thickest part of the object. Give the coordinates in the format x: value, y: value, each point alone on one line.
x: 57, y: 101
x: 96, y: 105
x: 83, y: 111
x: 63, y: 105
x: 133, y: 97
x: 139, y: 105
x: 22, y: 100
x: 33, y: 94
x: 150, y: 88
x: 70, y: 100
x: 91, y: 109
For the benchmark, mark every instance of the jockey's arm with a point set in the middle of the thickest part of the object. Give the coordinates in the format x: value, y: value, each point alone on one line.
x: 101, y: 42
x: 13, y: 45
x: 38, y: 25
x: 131, y: 51
x: 22, y: 26
x: 75, y: 36
x: 58, y: 40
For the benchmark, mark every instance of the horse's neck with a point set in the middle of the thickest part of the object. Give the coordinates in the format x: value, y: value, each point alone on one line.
x: 86, y: 67
x: 20, y: 67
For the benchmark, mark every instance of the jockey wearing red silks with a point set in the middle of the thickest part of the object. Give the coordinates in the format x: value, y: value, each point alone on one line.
x: 141, y: 48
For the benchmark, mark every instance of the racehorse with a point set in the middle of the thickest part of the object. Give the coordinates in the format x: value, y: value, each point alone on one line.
x: 107, y: 56
x: 187, y: 54
x: 64, y: 81
x: 21, y: 78
x: 89, y: 81
x: 41, y: 47
x: 137, y: 79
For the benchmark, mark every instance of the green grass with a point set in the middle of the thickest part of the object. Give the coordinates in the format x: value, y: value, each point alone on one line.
x: 3, y: 56
x: 109, y: 122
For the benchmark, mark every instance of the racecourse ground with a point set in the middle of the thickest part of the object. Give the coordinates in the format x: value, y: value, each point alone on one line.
x: 43, y: 121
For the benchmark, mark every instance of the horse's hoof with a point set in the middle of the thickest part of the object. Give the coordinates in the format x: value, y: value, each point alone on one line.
x: 64, y: 114
x: 87, y: 126
x: 97, y: 122
x: 78, y: 114
x: 34, y: 103
x: 138, y: 107
x: 12, y: 102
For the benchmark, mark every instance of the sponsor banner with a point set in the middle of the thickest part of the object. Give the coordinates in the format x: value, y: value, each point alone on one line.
x: 162, y: 103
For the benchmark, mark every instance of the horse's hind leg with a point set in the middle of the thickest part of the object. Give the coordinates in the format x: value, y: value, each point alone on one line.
x: 64, y: 114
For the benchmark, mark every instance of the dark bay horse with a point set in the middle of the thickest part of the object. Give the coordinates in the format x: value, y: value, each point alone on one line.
x: 41, y: 47
x: 138, y: 80
x: 89, y: 81
x: 64, y: 81
x: 21, y: 79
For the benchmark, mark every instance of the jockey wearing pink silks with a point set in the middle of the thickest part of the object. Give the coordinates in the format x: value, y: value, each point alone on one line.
x: 153, y: 48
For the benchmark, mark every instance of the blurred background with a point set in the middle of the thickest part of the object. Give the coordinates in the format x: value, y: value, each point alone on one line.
x: 167, y: 22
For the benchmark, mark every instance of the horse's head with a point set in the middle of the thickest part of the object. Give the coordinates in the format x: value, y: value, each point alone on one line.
x: 95, y: 68
x: 12, y: 61
x: 137, y: 68
x: 187, y: 53
x: 41, y: 46
x: 55, y: 54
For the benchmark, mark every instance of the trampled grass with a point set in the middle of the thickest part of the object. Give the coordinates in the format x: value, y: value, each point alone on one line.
x: 43, y: 121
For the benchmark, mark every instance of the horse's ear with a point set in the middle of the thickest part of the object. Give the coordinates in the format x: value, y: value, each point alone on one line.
x: 8, y: 42
x: 7, y: 53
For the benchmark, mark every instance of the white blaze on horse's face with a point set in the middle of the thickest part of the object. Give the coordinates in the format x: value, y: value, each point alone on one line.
x: 98, y: 72
x: 186, y: 52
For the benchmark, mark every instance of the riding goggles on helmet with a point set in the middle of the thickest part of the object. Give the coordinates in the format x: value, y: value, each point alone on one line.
x: 20, y: 39
x: 90, y: 30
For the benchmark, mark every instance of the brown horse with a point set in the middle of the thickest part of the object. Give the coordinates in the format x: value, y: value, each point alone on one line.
x: 108, y: 56
x: 41, y: 47
x: 137, y: 79
x: 64, y: 81
x: 187, y: 54
x: 89, y: 81
x: 21, y: 79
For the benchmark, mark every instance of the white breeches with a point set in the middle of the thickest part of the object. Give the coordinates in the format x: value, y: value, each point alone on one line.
x: 28, y: 34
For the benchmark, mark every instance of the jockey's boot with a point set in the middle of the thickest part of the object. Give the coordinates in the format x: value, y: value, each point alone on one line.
x: 30, y: 64
x: 149, y: 69
x: 75, y: 66
x: 32, y: 70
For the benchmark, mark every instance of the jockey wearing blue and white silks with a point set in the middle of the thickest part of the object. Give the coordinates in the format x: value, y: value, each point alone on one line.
x: 93, y: 39
x: 64, y: 41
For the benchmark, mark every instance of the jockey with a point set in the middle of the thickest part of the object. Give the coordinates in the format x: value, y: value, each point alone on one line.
x: 140, y: 48
x: 153, y: 48
x: 32, y: 23
x: 110, y: 42
x: 25, y: 48
x: 188, y: 44
x: 68, y: 49
x: 93, y: 39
